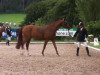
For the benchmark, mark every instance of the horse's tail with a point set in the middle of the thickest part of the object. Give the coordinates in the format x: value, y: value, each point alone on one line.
x: 19, y: 39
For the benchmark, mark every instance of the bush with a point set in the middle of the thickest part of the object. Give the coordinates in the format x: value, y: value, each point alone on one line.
x: 94, y: 28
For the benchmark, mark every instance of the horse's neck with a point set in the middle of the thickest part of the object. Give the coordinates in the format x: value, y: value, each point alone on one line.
x: 51, y: 27
x: 56, y: 25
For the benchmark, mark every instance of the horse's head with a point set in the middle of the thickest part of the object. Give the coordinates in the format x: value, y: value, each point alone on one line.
x: 65, y: 24
x: 60, y: 23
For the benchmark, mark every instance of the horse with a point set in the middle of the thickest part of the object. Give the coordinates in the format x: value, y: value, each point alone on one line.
x: 46, y: 33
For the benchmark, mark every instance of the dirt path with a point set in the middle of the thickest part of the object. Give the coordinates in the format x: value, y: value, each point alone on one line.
x: 12, y: 63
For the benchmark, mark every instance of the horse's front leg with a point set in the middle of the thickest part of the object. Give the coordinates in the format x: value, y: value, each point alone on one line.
x: 53, y: 41
x: 27, y: 47
x: 45, y: 43
x: 22, y: 46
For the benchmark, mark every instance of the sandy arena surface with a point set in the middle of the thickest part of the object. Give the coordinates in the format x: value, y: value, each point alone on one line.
x: 12, y: 63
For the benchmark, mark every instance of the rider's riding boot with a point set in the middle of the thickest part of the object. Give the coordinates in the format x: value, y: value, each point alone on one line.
x: 87, y: 51
x: 77, y: 51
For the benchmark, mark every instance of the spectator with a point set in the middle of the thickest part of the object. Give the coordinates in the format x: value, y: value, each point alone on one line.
x: 8, y: 31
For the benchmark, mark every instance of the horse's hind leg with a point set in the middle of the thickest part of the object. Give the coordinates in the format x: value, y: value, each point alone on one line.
x: 27, y: 47
x: 22, y: 46
x: 45, y: 43
x: 53, y: 41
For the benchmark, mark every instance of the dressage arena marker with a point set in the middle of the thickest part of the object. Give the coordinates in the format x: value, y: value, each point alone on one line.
x: 96, y: 42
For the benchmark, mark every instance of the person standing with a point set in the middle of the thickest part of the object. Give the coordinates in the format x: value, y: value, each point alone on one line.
x: 8, y: 31
x: 81, y: 36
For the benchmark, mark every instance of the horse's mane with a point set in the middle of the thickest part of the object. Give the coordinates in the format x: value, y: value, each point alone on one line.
x: 47, y: 25
x: 55, y: 22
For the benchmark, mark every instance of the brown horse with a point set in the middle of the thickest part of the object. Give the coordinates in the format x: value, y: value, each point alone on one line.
x: 46, y: 33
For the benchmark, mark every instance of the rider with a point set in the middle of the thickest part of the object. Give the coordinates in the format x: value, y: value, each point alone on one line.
x: 81, y: 35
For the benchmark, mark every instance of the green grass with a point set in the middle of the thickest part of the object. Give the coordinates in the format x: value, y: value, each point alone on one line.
x: 14, y: 18
x: 91, y: 44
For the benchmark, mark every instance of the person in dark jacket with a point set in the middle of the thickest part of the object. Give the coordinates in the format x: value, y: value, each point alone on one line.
x: 81, y: 36
x: 8, y: 31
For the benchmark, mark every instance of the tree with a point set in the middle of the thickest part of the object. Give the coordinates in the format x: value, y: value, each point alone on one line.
x: 49, y: 10
x: 37, y: 10
x: 63, y: 9
x: 89, y: 10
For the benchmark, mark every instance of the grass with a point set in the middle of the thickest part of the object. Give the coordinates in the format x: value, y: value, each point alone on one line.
x: 91, y: 44
x: 13, y: 18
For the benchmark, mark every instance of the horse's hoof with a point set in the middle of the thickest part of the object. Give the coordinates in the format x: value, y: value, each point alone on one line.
x: 17, y: 47
x: 89, y: 55
x: 29, y: 55
x: 77, y: 54
x: 42, y: 54
x: 58, y: 55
